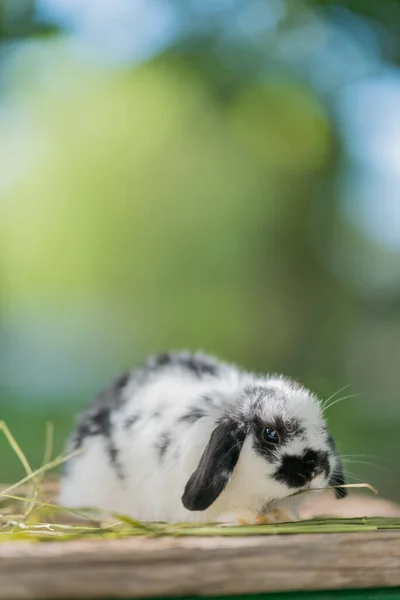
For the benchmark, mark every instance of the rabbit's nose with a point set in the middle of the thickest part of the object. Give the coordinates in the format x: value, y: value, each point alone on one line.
x: 307, y: 466
x: 299, y: 471
x: 312, y: 469
x: 317, y: 471
x: 308, y: 472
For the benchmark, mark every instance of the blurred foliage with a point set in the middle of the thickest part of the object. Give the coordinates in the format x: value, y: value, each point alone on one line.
x: 193, y: 199
x: 17, y: 21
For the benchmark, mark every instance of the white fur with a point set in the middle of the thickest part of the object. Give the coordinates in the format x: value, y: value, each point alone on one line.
x: 151, y: 489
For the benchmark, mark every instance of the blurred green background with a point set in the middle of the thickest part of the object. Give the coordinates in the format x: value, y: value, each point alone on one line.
x: 200, y: 174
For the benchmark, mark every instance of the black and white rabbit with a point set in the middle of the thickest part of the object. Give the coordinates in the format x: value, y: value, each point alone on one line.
x: 187, y: 437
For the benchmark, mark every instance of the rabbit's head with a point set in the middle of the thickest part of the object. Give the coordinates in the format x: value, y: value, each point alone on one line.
x: 274, y: 438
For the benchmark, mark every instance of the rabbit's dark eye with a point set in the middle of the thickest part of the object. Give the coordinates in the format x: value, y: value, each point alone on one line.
x: 270, y: 435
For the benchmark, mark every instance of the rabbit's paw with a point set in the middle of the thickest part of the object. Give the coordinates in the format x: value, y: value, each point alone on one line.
x: 247, y: 517
x: 277, y: 515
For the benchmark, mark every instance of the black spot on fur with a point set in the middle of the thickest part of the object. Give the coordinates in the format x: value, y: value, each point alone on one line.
x: 131, y: 421
x: 198, y: 364
x: 113, y: 453
x: 207, y: 399
x: 163, y: 444
x: 100, y: 424
x: 121, y: 381
x: 293, y: 428
x: 288, y: 429
x: 331, y: 443
x: 193, y: 415
x: 96, y: 420
x: 160, y: 360
x: 258, y: 393
x: 297, y: 471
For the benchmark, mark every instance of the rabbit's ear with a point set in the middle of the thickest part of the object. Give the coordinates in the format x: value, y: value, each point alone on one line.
x: 337, y: 477
x: 215, y: 466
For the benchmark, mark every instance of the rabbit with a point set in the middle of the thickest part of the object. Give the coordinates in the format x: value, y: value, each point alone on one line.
x: 187, y: 437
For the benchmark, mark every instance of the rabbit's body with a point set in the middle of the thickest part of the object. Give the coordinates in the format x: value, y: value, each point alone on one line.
x: 178, y: 440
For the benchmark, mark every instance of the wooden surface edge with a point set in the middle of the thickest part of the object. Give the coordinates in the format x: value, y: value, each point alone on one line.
x: 154, y: 567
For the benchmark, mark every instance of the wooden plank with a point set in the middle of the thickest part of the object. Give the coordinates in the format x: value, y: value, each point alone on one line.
x: 154, y: 567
